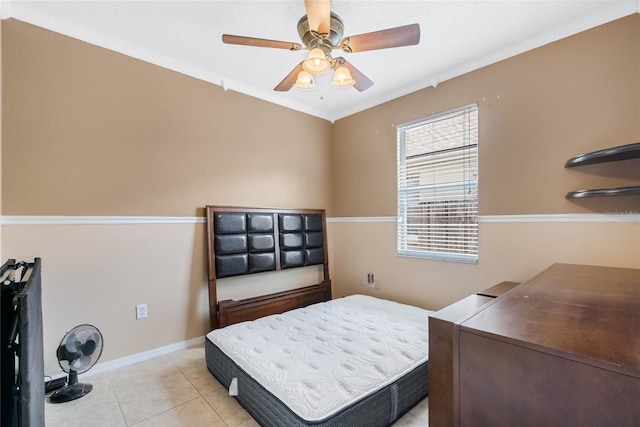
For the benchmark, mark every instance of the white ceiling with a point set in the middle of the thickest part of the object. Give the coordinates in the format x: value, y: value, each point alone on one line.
x: 185, y: 36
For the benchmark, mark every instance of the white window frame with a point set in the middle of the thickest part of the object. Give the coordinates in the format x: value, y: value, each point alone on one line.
x: 446, y: 242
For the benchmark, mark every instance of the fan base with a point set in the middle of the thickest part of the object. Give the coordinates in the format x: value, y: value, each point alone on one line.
x: 70, y: 392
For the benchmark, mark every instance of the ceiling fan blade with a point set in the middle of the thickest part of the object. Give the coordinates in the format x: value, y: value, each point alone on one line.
x: 288, y: 82
x: 362, y: 82
x: 318, y: 15
x: 252, y: 41
x: 393, y: 37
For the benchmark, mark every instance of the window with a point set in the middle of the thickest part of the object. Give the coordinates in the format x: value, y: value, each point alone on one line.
x: 438, y: 186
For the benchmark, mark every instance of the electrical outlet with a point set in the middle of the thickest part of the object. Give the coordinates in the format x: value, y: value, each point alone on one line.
x: 141, y: 311
x: 370, y: 281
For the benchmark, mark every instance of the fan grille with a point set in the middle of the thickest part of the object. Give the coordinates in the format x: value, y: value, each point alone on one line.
x: 80, y: 349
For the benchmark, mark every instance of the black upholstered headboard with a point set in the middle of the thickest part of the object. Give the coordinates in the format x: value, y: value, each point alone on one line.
x: 254, y: 240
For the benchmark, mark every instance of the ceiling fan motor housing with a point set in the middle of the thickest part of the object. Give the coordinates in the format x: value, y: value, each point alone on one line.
x: 312, y: 40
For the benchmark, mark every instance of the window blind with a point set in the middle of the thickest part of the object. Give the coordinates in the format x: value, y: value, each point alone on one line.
x: 438, y: 186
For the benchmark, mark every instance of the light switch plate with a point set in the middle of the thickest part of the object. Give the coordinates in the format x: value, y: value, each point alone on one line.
x: 141, y: 311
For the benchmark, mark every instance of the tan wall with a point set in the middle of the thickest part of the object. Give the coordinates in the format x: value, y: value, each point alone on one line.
x: 92, y: 132
x: 87, y: 131
x: 97, y: 274
x: 536, y: 110
x: 508, y: 251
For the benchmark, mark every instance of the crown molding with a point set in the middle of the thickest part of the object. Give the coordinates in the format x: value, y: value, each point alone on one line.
x: 514, y: 50
x: 15, y: 9
x: 18, y: 11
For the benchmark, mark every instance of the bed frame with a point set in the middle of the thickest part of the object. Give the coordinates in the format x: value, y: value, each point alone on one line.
x: 295, y: 237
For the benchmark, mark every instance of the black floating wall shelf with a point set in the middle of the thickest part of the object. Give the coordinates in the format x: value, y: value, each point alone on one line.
x: 613, y: 154
x: 619, y: 191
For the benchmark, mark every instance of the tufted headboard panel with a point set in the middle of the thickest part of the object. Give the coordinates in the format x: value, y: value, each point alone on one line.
x: 254, y: 240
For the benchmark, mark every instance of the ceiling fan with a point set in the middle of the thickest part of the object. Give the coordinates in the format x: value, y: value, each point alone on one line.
x: 321, y: 31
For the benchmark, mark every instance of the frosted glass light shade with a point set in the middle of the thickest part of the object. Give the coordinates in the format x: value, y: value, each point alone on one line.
x: 316, y: 63
x: 342, y: 78
x: 304, y: 80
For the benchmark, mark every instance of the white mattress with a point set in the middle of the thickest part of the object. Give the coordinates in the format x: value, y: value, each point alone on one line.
x: 323, y: 358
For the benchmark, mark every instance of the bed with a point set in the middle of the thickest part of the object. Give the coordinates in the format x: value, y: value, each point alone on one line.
x: 299, y: 358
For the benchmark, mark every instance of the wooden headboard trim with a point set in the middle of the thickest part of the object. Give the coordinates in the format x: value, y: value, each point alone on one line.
x: 231, y: 311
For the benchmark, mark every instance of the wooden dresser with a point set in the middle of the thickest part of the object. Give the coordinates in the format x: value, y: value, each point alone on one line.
x: 444, y: 342
x: 560, y: 349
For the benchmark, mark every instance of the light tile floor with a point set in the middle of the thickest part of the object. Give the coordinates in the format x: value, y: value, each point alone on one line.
x: 172, y: 390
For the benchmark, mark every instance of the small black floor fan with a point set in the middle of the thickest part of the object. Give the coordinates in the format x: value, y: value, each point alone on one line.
x: 78, y: 351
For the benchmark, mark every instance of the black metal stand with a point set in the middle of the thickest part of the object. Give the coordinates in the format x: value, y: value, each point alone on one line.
x: 73, y: 390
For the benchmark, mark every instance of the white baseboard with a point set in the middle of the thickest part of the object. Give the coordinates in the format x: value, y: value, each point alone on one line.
x: 140, y: 357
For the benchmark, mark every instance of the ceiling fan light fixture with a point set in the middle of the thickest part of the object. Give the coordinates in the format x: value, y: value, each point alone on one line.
x: 342, y: 78
x: 317, y: 62
x: 304, y: 80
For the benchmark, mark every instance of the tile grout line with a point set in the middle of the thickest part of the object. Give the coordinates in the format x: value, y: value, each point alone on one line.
x: 199, y: 392
x: 117, y: 399
x: 173, y: 407
x: 214, y: 410
x: 188, y: 365
x: 165, y: 411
